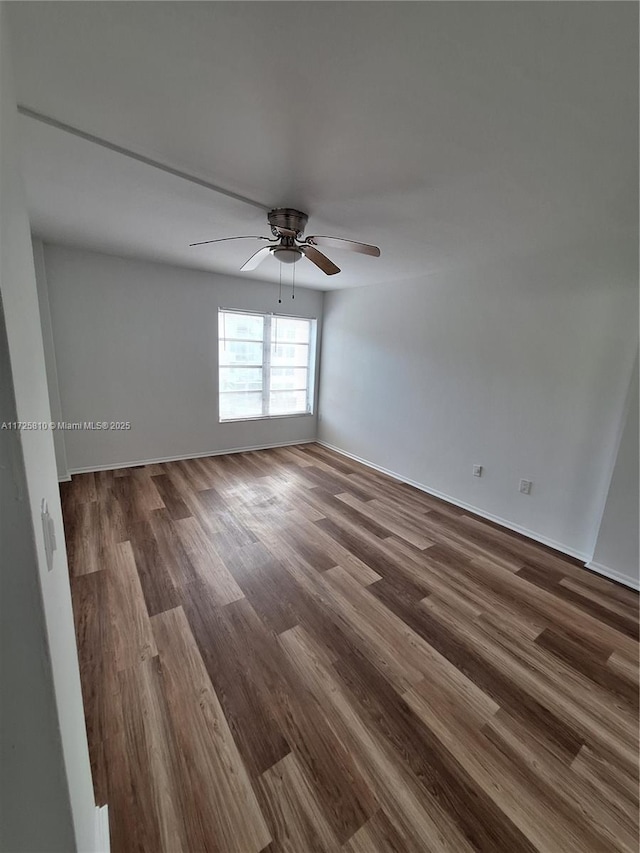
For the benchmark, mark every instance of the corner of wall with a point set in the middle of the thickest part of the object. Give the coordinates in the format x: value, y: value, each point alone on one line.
x: 34, y: 455
x: 50, y: 356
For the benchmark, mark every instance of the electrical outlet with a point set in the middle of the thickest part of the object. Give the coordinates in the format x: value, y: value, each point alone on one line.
x: 477, y: 470
x: 525, y: 487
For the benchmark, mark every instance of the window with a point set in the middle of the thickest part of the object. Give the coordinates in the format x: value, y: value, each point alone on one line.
x: 265, y: 365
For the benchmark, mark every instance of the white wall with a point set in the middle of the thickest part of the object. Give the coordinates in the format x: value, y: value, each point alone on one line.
x: 35, y: 812
x: 137, y: 341
x: 616, y: 553
x: 521, y: 367
x: 46, y: 790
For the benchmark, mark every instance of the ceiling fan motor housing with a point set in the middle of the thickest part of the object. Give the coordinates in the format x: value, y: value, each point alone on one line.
x: 287, y: 217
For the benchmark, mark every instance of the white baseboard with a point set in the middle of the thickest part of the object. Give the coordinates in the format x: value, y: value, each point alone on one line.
x: 517, y: 528
x: 114, y: 467
x: 103, y: 842
x: 613, y: 575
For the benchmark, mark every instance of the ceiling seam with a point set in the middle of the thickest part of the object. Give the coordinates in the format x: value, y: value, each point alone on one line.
x: 133, y: 155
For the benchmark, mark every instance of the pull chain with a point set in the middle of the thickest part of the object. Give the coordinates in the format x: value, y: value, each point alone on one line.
x: 293, y: 285
x: 280, y: 287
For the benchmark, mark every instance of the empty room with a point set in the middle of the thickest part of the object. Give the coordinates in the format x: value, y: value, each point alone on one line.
x: 319, y: 429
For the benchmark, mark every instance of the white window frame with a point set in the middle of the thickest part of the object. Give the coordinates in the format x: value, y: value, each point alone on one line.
x: 267, y: 338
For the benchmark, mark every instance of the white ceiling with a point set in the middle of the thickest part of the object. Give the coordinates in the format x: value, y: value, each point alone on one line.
x: 446, y: 133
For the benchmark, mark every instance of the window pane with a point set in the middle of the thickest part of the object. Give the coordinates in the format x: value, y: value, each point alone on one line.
x: 287, y: 402
x: 287, y: 329
x: 246, y: 404
x: 246, y: 326
x: 289, y: 355
x: 284, y: 378
x: 241, y: 339
x: 241, y: 379
x: 240, y: 352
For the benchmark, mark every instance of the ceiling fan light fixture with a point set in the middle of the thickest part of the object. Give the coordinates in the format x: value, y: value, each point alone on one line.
x: 287, y: 254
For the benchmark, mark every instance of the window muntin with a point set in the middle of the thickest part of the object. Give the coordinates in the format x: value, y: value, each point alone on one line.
x: 265, y: 365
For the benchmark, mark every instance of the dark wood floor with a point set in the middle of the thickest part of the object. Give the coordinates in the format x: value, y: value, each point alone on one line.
x: 286, y: 651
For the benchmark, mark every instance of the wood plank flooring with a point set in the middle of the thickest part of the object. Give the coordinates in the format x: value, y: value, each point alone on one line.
x: 284, y: 650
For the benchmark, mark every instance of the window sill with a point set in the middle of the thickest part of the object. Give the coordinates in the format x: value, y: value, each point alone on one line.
x: 265, y: 418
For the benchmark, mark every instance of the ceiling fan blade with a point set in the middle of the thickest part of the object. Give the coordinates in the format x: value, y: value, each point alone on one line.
x: 340, y: 243
x: 256, y: 259
x: 223, y: 239
x: 320, y: 260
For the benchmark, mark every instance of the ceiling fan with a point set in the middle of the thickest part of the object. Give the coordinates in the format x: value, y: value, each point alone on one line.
x: 287, y: 228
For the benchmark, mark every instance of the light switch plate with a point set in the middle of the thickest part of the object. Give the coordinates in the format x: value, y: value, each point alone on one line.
x: 49, y: 533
